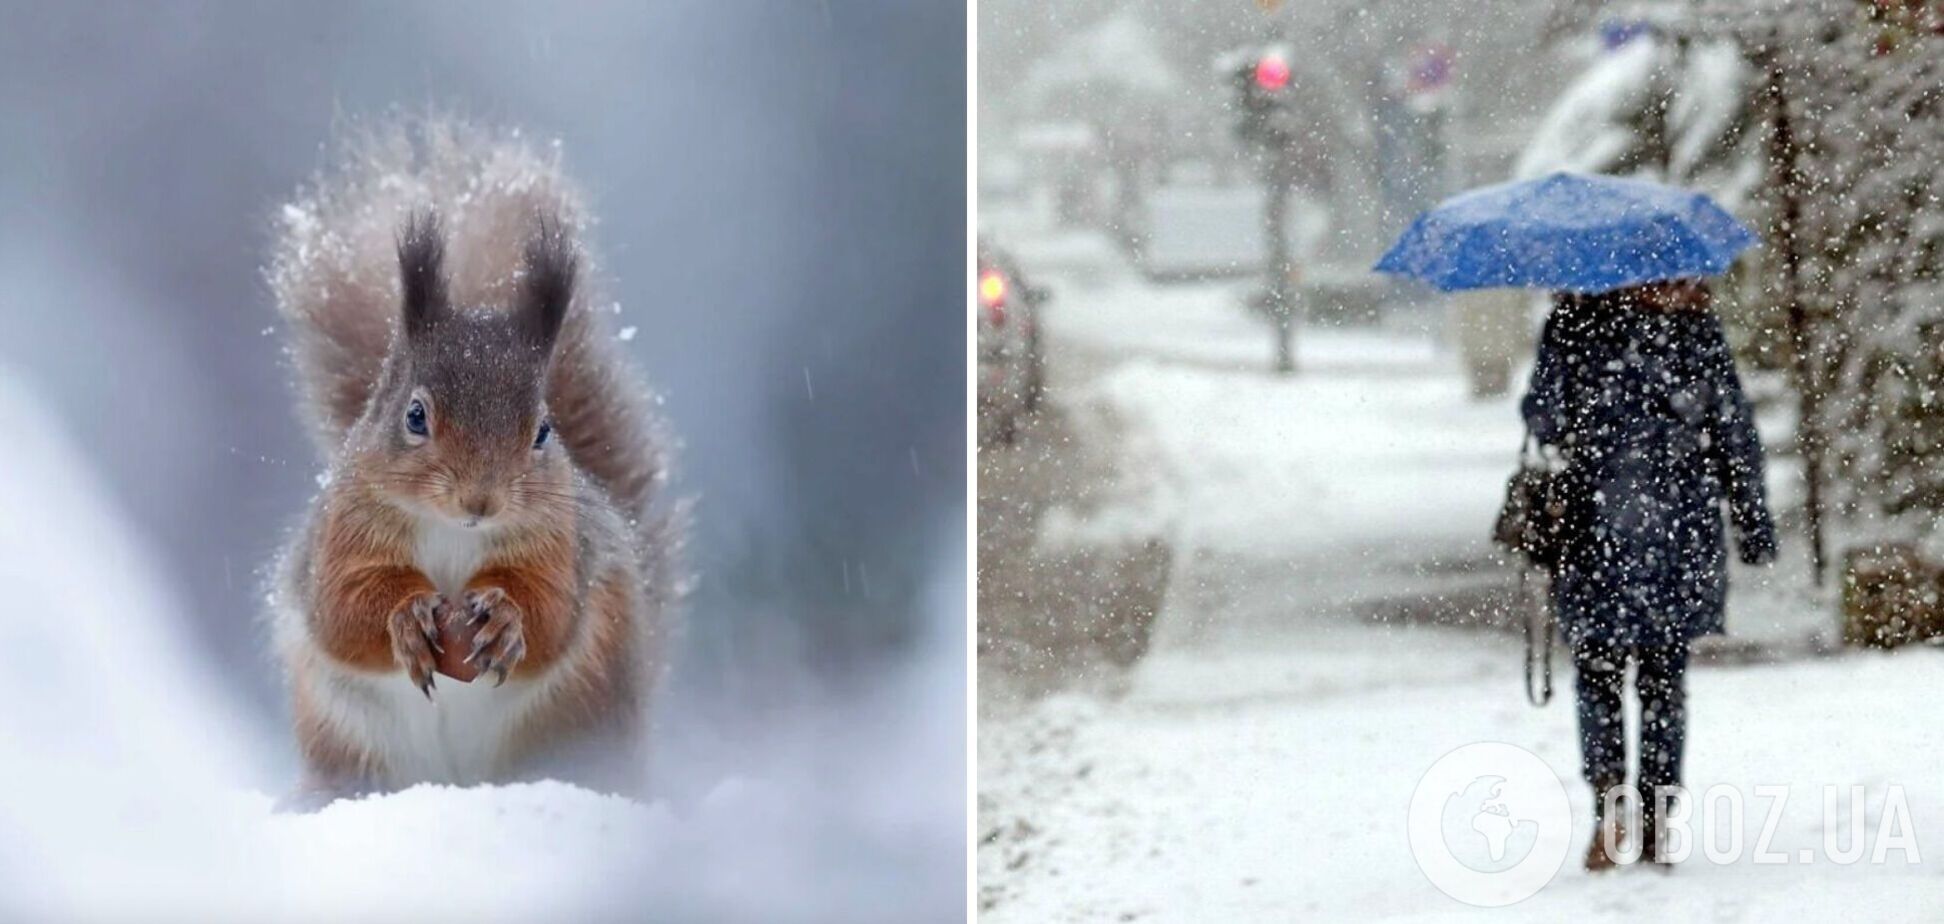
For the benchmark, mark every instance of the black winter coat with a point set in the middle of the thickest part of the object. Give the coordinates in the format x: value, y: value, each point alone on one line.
x: 1645, y: 406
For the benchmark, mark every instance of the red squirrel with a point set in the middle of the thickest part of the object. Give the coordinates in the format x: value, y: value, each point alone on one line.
x: 494, y: 466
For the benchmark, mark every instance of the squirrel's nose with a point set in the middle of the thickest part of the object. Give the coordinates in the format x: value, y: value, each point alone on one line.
x: 481, y: 505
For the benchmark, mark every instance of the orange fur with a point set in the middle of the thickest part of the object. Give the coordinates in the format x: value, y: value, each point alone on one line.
x: 543, y: 589
x: 365, y: 574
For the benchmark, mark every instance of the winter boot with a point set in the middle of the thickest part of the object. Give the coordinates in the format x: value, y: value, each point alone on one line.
x: 1608, y: 828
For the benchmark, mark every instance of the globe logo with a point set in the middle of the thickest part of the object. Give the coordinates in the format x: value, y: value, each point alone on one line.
x: 1490, y: 824
x: 1480, y: 831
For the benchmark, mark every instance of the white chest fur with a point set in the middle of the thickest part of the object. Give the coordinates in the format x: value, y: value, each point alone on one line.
x: 448, y: 553
x: 459, y: 737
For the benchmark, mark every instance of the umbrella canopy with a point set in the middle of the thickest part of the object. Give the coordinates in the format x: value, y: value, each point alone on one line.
x: 1568, y: 232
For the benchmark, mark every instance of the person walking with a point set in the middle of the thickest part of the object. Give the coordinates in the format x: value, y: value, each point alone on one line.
x: 1635, y: 389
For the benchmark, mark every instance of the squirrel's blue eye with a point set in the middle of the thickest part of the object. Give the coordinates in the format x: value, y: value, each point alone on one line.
x: 540, y: 439
x: 415, y: 418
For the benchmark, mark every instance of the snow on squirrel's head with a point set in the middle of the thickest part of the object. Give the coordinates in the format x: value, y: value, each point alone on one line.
x: 459, y: 424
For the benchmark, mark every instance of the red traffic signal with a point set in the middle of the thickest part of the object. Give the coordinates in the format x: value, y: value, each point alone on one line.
x: 1272, y: 72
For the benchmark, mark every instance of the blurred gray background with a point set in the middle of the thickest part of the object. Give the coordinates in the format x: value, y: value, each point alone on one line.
x: 780, y: 188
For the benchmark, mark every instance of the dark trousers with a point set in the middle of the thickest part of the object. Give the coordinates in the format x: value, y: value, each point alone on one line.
x: 1660, y: 674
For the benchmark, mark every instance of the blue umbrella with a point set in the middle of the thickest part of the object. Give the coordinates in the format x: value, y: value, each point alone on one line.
x: 1568, y: 232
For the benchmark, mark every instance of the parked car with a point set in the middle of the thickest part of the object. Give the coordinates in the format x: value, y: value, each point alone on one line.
x: 1012, y: 368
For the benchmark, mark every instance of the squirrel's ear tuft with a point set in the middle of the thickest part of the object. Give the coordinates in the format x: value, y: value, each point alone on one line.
x: 551, y: 264
x: 421, y: 268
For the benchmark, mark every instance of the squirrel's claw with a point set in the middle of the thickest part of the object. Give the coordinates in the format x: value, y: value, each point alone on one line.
x: 508, y: 655
x: 425, y: 610
x: 414, y: 638
x: 483, y: 602
x: 500, y: 643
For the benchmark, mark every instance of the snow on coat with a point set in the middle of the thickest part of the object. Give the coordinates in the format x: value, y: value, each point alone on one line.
x: 1646, y: 407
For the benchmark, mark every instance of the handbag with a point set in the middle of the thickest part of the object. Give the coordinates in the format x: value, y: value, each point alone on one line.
x: 1531, y: 524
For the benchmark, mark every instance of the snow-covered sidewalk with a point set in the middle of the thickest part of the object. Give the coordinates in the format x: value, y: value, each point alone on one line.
x: 1195, y: 799
x: 1259, y: 763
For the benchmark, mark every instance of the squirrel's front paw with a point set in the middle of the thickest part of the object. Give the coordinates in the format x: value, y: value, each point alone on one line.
x: 500, y: 641
x: 415, y: 639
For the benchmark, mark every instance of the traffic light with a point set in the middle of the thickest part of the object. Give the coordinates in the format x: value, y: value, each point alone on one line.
x: 1264, y: 103
x: 1272, y: 72
x: 1269, y: 124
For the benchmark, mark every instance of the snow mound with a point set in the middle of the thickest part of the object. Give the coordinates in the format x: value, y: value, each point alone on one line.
x: 91, y: 673
x: 523, y: 852
x: 1256, y: 465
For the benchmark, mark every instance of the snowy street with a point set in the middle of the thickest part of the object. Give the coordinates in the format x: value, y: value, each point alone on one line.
x: 1336, y: 620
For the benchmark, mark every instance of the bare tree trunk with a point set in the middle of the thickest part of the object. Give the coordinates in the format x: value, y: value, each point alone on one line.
x: 1783, y: 154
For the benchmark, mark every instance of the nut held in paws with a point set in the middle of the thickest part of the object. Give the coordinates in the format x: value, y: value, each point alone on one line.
x: 456, y: 633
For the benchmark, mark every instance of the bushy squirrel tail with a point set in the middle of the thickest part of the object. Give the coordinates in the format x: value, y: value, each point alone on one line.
x: 334, y: 274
